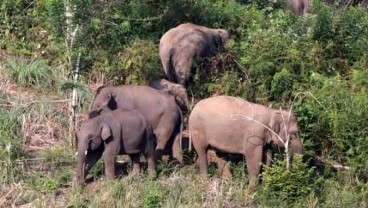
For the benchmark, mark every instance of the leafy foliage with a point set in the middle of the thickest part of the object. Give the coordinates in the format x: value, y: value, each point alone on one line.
x: 291, y: 187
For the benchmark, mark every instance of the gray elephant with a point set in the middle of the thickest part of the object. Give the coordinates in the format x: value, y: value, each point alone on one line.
x: 159, y: 108
x: 114, y: 133
x: 233, y: 125
x: 181, y: 44
x: 298, y: 7
x: 176, y: 90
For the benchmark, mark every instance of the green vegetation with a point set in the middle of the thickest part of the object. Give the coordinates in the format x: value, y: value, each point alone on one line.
x: 34, y: 72
x: 316, y: 65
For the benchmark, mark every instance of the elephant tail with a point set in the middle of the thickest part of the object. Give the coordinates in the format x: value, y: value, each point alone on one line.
x: 181, y: 126
x: 150, y: 140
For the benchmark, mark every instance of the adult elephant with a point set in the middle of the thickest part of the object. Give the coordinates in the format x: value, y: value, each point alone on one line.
x: 181, y: 44
x: 233, y: 125
x: 157, y: 107
x: 114, y: 133
x: 298, y: 7
x: 176, y: 90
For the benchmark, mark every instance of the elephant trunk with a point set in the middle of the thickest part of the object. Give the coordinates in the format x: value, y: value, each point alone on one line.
x: 81, y: 170
x: 296, y: 146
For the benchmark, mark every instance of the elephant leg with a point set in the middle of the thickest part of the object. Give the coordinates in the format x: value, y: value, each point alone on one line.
x: 254, y: 159
x: 150, y: 156
x: 151, y: 163
x: 91, y: 159
x: 201, y: 148
x: 268, y: 156
x: 162, y: 137
x: 182, y: 70
x: 203, y: 163
x: 166, y: 61
x: 163, y: 134
x: 223, y: 166
x: 135, y: 163
x: 110, y: 160
x: 176, y: 149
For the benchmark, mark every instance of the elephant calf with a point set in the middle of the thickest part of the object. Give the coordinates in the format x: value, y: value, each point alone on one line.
x: 114, y: 133
x: 233, y: 125
x: 176, y: 90
x: 160, y: 110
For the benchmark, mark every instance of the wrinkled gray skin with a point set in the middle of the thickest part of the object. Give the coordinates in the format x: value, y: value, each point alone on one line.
x: 159, y: 108
x: 298, y: 7
x: 222, y: 123
x: 114, y: 133
x: 178, y: 91
x: 181, y: 44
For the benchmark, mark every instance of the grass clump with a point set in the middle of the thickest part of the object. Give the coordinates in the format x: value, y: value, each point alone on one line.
x: 31, y: 72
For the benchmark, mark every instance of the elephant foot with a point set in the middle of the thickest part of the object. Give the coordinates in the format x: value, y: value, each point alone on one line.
x: 225, y: 172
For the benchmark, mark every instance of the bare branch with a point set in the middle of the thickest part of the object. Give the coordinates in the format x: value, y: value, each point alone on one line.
x: 242, y: 68
x: 335, y: 165
x: 233, y: 116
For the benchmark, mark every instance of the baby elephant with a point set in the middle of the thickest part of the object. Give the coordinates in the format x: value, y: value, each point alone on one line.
x: 114, y: 133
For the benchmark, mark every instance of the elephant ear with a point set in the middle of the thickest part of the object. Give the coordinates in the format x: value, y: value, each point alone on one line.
x: 218, y: 40
x: 105, y: 131
x: 275, y: 125
x: 111, y: 102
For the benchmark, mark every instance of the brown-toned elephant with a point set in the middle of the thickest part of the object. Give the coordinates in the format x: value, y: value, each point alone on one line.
x: 159, y: 108
x: 298, y: 7
x: 176, y: 90
x: 233, y: 125
x: 114, y: 133
x: 181, y: 44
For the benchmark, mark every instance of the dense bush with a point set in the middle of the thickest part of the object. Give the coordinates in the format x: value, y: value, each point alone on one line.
x: 288, y: 188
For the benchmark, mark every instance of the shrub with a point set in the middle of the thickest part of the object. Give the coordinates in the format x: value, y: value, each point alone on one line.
x: 352, y: 34
x: 335, y: 127
x: 287, y: 188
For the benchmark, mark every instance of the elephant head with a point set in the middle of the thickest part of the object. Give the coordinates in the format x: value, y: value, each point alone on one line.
x: 284, y: 124
x: 103, y: 101
x: 177, y: 90
x: 90, y: 137
x: 221, y: 36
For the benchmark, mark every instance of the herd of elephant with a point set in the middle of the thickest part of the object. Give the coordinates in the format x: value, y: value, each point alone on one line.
x: 148, y: 120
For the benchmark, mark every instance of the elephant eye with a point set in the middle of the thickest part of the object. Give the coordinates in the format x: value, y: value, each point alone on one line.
x: 292, y: 136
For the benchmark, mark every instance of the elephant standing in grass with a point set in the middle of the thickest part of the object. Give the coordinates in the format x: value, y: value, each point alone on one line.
x: 114, y: 133
x: 181, y: 44
x: 176, y: 90
x: 233, y: 125
x: 159, y: 108
x: 299, y: 7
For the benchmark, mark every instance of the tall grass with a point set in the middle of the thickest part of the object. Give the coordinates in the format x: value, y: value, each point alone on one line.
x: 31, y: 72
